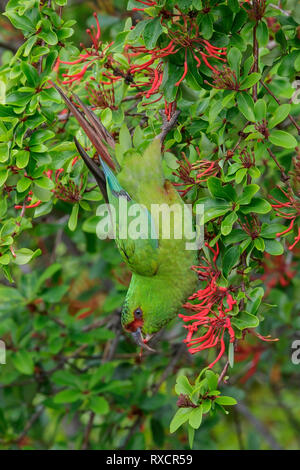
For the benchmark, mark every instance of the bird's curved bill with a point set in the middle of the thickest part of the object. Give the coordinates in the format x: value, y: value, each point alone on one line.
x: 138, y: 338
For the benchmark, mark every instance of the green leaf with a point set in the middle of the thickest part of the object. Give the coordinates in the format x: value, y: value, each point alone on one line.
x: 236, y: 236
x: 227, y: 223
x: 234, y: 5
x: 282, y: 139
x: 255, y: 298
x: 99, y: 405
x: 24, y: 255
x: 234, y: 58
x: 271, y: 230
x: 217, y: 190
x: 195, y: 418
x: 249, y: 81
x: 191, y: 435
x: 246, y: 106
x: 280, y: 115
x: 172, y: 73
x: 20, y: 22
x: 125, y: 138
x: 171, y: 160
x: 72, y: 223
x: 245, y: 320
x: 3, y: 176
x: 230, y: 259
x: 22, y: 158
x: 23, y: 184
x: 180, y: 417
x: 240, y: 174
x: 67, y: 396
x: 260, y: 110
x: 135, y: 33
x: 23, y: 362
x: 183, y: 385
x: 213, y: 208
x: 259, y: 244
x: 55, y: 294
x: 212, y: 379
x: 257, y: 205
x: 31, y: 74
x: 273, y: 247
x: 223, y: 400
x: 44, y: 182
x: 40, y: 136
x: 262, y: 33
x: 151, y: 33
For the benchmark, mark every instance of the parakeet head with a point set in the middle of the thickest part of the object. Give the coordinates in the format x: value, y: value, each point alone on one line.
x: 135, y: 321
x: 144, y: 315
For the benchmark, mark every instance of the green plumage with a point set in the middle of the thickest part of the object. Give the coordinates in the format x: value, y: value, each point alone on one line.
x: 161, y: 293
x: 162, y: 278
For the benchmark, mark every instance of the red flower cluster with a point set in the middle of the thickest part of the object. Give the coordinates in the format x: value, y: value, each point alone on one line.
x: 146, y: 77
x: 212, y: 312
x: 184, y: 37
x: 88, y: 58
x: 146, y: 3
x: 69, y: 192
x: 203, y: 169
x: 251, y: 225
x: 288, y: 209
x: 225, y: 79
x: 29, y: 206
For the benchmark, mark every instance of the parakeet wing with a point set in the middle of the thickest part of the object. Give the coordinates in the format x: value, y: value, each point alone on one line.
x: 132, y: 220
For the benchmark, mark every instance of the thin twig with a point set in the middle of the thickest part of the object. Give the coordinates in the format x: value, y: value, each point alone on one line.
x: 284, y: 176
x: 276, y: 7
x: 30, y: 423
x: 278, y: 102
x: 88, y: 430
x: 168, y: 125
x: 223, y: 373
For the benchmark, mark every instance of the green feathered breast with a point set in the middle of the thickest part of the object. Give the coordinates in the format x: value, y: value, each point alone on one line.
x: 162, y: 277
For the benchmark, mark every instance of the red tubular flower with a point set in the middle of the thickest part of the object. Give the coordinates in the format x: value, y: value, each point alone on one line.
x: 288, y: 209
x: 75, y: 159
x: 89, y: 56
x: 185, y: 69
x: 184, y: 37
x: 210, y: 312
x: 203, y: 169
x: 29, y: 206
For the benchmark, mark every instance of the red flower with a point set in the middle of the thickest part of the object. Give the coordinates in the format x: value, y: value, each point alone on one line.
x: 29, y: 206
x: 69, y: 191
x: 146, y: 3
x: 186, y: 172
x: 88, y: 57
x: 288, y: 208
x: 211, y: 312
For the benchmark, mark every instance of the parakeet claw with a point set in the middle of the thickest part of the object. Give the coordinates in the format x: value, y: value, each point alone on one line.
x: 138, y: 338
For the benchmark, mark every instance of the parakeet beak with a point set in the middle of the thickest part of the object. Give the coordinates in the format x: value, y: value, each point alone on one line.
x: 138, y: 338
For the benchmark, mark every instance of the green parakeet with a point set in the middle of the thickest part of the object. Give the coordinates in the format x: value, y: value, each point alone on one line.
x: 162, y: 277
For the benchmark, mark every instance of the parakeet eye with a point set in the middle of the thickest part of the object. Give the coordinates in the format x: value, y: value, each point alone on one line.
x: 138, y: 313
